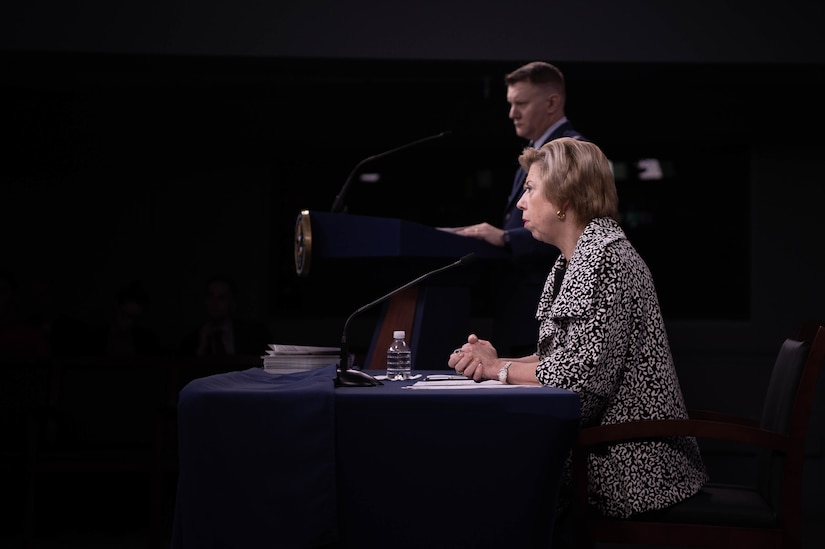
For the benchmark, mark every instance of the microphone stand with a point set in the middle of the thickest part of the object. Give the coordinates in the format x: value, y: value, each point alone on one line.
x: 338, y: 204
x: 355, y: 378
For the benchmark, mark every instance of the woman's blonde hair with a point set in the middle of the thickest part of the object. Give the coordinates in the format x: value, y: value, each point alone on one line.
x: 576, y: 175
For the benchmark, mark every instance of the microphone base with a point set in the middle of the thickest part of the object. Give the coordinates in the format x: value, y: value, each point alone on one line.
x: 355, y: 378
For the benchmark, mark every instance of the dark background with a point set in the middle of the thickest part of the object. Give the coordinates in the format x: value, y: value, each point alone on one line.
x: 167, y: 141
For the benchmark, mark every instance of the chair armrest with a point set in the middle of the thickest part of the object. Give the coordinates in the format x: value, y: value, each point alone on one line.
x: 651, y: 429
x: 712, y: 415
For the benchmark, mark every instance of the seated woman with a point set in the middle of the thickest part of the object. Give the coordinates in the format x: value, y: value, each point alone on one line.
x: 601, y: 332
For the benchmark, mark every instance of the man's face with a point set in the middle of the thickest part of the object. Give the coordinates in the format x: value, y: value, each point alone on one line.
x: 529, y: 109
x: 128, y: 314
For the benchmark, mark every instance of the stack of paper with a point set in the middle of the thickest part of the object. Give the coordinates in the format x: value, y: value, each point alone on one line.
x: 289, y: 359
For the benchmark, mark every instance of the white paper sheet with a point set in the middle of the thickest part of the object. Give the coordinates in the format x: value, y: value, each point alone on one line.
x: 463, y: 384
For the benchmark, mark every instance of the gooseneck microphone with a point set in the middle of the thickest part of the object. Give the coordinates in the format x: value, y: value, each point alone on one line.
x: 338, y: 204
x: 357, y: 378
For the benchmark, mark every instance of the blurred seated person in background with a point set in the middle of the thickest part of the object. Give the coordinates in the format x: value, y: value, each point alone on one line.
x: 19, y: 338
x: 223, y: 332
x: 68, y: 336
x: 125, y: 334
x: 601, y: 333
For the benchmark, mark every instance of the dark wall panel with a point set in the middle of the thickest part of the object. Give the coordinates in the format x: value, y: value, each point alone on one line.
x: 602, y: 31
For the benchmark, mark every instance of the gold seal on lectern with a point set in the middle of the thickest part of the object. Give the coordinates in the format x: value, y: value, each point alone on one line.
x: 303, y: 243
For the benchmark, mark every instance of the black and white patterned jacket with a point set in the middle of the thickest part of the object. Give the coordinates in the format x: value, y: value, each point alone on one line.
x: 604, y: 337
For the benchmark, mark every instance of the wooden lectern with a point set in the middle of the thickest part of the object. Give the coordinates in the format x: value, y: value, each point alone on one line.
x: 435, y: 314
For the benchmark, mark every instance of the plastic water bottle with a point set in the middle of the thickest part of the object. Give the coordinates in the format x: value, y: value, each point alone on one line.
x: 399, y: 358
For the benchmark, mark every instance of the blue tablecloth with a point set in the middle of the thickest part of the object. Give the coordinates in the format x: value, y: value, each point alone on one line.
x: 291, y: 462
x: 256, y: 461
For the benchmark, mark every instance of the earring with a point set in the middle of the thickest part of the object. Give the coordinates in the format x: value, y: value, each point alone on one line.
x: 561, y: 215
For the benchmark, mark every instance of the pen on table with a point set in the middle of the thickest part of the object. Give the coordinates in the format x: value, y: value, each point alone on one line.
x: 445, y: 377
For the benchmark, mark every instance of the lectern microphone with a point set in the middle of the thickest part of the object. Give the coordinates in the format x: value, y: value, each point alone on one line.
x: 338, y: 204
x: 356, y: 378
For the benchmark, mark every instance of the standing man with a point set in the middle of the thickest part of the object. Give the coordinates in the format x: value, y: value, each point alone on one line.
x: 536, y: 94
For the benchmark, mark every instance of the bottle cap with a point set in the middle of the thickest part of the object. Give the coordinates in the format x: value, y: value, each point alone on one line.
x: 399, y: 334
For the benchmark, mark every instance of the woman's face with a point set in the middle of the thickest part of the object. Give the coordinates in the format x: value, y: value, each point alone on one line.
x: 538, y: 213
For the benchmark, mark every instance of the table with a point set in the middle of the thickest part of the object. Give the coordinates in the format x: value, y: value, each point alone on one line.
x: 289, y: 461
